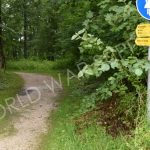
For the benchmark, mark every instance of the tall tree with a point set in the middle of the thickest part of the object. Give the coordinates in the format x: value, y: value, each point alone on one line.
x: 2, y: 56
x: 25, y: 29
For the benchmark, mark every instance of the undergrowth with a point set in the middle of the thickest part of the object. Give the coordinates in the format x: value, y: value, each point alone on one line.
x: 10, y: 85
x: 77, y: 125
x: 38, y: 65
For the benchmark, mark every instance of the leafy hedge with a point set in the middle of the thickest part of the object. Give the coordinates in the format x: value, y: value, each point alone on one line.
x: 107, y: 45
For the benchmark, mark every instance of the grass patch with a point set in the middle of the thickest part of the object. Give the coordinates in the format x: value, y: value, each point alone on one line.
x: 37, y: 66
x: 63, y: 132
x: 10, y: 84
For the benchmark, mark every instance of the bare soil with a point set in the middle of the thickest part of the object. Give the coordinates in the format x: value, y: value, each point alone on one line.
x: 107, y: 115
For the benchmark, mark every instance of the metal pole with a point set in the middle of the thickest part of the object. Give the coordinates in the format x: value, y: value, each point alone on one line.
x: 148, y: 89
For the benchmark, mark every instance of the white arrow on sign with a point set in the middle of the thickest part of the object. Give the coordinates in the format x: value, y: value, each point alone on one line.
x: 147, y: 6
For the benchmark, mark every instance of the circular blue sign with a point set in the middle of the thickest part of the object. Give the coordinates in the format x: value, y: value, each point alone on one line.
x: 143, y: 7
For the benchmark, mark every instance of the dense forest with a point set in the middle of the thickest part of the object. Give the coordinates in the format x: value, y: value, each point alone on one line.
x: 95, y: 39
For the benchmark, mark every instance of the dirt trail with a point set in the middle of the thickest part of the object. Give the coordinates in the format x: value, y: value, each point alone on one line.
x: 32, y: 120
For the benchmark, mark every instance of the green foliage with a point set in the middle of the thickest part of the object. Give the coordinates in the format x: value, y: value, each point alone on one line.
x: 104, y: 34
x: 64, y: 137
x: 10, y: 85
x: 126, y: 62
x: 141, y: 132
x: 28, y: 65
x: 91, y: 136
x: 38, y: 65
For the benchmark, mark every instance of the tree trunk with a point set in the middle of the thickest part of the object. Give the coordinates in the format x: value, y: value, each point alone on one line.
x: 2, y: 55
x: 25, y: 30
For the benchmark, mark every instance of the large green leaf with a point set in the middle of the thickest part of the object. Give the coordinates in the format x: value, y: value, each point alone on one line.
x: 105, y: 67
x: 138, y: 72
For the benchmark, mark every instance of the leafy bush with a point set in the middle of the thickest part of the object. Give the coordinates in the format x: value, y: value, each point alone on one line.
x: 127, y: 62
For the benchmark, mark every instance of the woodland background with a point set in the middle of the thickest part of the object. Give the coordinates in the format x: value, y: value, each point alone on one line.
x: 38, y: 33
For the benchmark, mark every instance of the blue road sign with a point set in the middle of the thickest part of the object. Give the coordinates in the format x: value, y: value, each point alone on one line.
x: 143, y: 7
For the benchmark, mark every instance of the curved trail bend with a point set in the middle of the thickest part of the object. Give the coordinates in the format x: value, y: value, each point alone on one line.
x: 33, y: 114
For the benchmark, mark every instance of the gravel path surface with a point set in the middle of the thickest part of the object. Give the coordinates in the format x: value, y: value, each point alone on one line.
x: 34, y: 108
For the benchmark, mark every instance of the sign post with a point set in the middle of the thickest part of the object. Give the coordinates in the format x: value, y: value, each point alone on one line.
x: 148, y: 94
x: 143, y: 34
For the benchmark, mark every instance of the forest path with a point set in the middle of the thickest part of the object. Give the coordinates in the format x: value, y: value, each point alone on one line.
x: 34, y: 109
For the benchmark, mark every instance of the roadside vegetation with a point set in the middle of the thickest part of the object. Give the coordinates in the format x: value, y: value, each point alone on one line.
x: 73, y: 126
x: 105, y: 106
x: 10, y: 85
